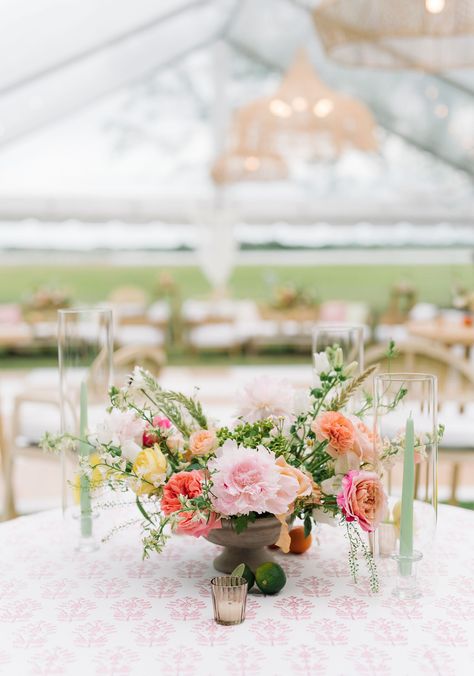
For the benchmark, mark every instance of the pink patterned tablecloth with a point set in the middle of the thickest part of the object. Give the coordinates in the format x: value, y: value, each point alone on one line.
x: 109, y: 613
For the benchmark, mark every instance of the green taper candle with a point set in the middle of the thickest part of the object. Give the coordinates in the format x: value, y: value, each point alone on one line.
x: 408, y: 495
x: 85, y: 489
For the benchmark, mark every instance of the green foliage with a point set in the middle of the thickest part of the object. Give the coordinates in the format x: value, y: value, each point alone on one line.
x: 241, y: 522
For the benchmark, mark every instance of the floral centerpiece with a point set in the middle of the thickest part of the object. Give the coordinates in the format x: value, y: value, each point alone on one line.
x: 288, y: 454
x: 44, y: 302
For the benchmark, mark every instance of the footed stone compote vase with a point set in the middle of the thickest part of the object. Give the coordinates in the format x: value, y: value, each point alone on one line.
x: 250, y: 546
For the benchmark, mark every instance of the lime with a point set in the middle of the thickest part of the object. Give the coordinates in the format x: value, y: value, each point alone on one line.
x: 270, y: 578
x: 244, y: 571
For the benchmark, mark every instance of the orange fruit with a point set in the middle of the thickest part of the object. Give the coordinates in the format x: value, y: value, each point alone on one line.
x: 299, y: 543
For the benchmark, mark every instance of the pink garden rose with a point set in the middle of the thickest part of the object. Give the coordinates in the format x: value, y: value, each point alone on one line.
x: 249, y: 480
x: 337, y: 429
x: 362, y: 499
x: 151, y: 435
x: 189, y: 485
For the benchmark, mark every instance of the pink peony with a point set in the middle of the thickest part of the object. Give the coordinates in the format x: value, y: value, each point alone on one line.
x: 362, y: 499
x: 189, y: 485
x: 151, y: 434
x: 249, y: 480
x: 266, y: 397
x: 337, y: 429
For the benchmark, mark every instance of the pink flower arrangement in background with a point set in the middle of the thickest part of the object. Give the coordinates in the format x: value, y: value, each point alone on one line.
x: 249, y: 480
x: 362, y: 499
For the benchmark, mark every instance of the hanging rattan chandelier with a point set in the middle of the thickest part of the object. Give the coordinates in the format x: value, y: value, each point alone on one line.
x: 429, y: 35
x: 304, y: 119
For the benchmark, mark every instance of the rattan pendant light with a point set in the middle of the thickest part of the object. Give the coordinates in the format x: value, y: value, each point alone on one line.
x: 429, y: 35
x: 303, y: 120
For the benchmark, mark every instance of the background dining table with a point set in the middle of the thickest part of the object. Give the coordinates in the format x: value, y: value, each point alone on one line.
x: 111, y: 613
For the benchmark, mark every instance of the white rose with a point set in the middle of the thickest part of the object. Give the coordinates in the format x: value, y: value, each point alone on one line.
x: 321, y: 363
x: 320, y: 516
x: 332, y: 486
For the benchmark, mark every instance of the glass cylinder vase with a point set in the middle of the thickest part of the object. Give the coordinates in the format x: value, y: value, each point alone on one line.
x: 406, y: 434
x: 85, y: 347
x: 349, y: 337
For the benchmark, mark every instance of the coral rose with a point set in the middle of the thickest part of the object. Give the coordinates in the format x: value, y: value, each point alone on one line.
x: 202, y: 442
x: 188, y: 485
x: 362, y: 499
x: 198, y: 523
x: 150, y: 465
x: 337, y: 429
x: 305, y: 483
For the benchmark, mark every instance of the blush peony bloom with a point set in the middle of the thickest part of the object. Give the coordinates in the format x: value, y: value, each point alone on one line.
x: 153, y: 433
x: 202, y: 442
x: 188, y: 485
x: 337, y: 429
x: 124, y: 430
x: 249, y: 480
x: 362, y: 499
x: 266, y: 397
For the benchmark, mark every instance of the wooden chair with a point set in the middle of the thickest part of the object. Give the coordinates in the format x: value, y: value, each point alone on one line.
x: 455, y: 392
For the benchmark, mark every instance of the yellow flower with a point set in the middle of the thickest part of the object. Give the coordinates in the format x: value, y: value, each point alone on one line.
x: 96, y: 478
x: 150, y: 465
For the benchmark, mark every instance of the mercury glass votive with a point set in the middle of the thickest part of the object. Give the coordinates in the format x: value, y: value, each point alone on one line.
x: 229, y: 598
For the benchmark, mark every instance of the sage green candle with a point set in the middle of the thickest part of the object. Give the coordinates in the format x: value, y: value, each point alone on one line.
x: 85, y: 489
x: 408, y: 495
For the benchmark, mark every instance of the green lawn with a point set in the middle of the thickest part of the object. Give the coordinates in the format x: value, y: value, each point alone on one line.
x: 369, y: 283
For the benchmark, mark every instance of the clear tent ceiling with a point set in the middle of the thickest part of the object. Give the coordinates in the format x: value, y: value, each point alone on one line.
x: 101, y: 98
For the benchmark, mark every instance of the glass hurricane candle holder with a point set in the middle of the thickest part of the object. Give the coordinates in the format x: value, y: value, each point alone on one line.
x: 85, y: 372
x: 406, y: 588
x: 349, y: 337
x: 406, y: 435
x: 229, y: 598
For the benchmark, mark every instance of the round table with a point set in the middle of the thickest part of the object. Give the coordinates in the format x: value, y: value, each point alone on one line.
x: 113, y: 614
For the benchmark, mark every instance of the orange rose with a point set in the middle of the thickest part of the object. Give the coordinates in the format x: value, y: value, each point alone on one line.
x: 202, y: 442
x: 335, y: 428
x: 305, y: 483
x: 366, y: 444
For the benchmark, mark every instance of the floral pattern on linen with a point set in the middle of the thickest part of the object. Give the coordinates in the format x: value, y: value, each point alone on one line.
x: 64, y: 613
